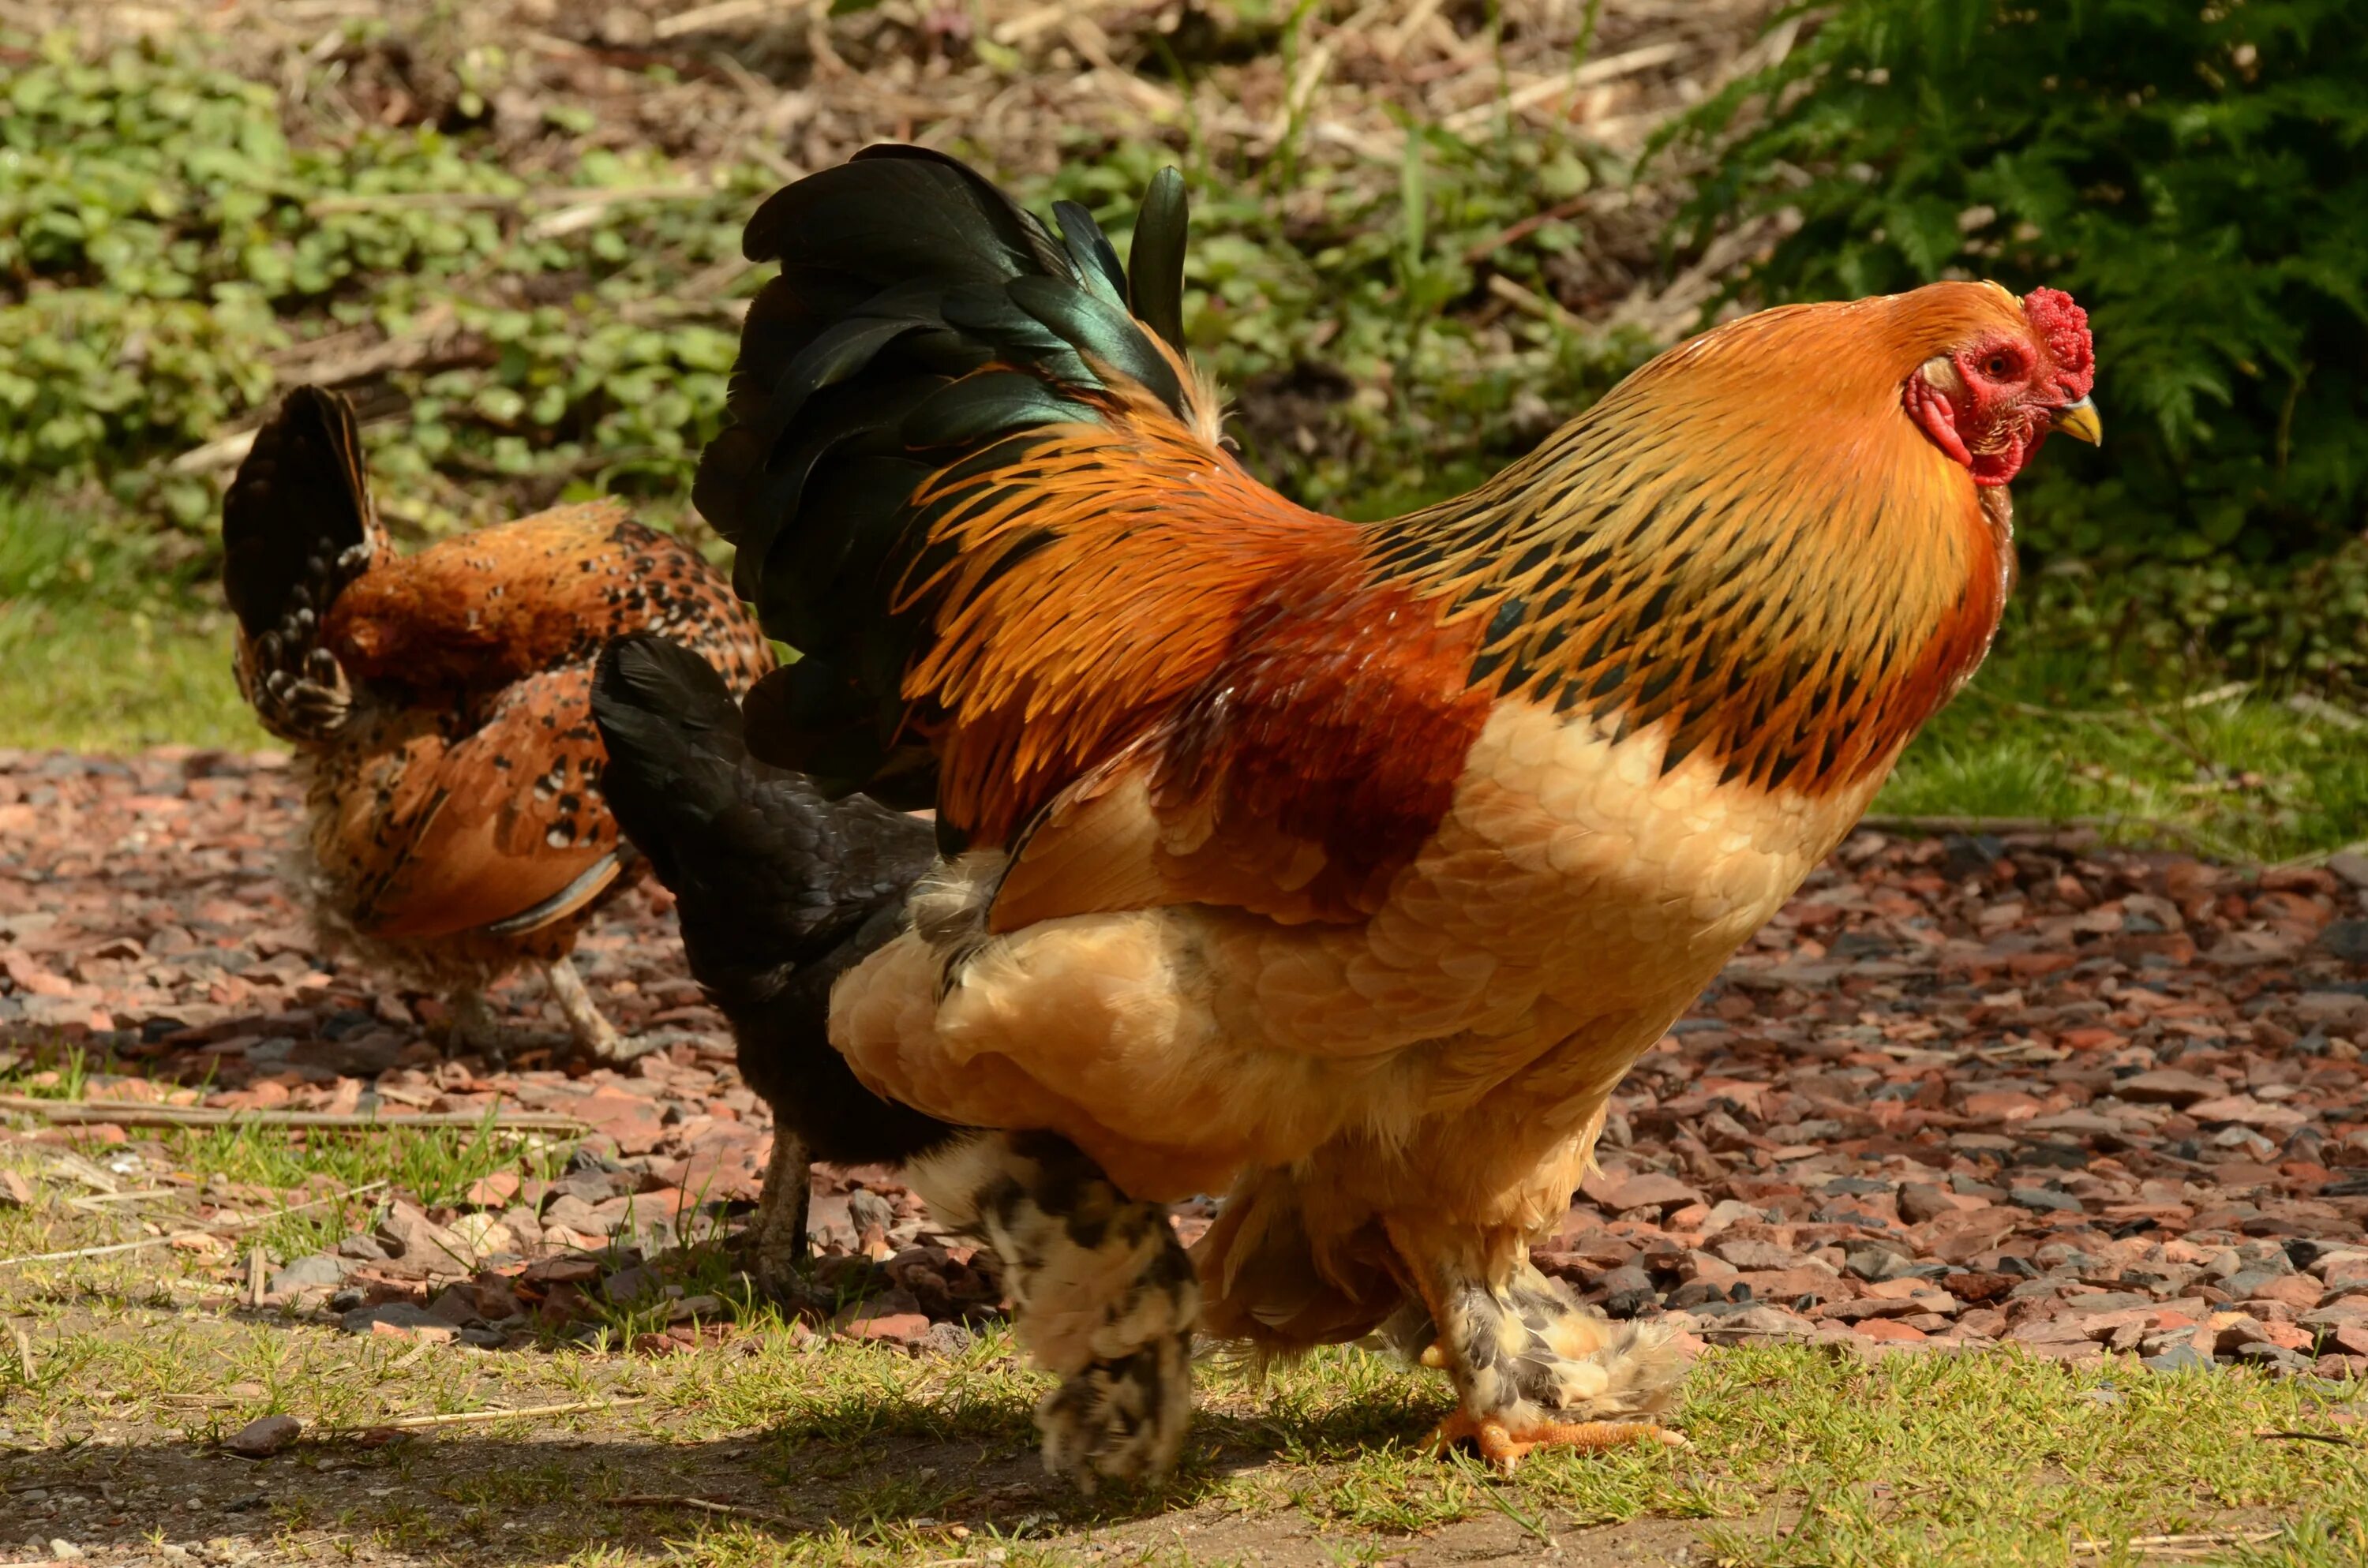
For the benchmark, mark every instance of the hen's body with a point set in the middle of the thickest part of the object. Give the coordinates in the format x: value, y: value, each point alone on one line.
x: 440, y: 707
x: 1347, y: 865
x: 780, y: 894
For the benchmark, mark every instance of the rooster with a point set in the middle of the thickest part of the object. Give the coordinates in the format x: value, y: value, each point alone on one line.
x: 779, y: 892
x: 1342, y: 868
x: 439, y: 705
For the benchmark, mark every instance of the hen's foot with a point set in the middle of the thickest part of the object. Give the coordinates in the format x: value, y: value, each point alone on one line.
x: 1533, y: 1364
x: 474, y: 1028
x: 1505, y: 1447
x: 594, y: 1035
x: 774, y: 1245
x: 1101, y: 1294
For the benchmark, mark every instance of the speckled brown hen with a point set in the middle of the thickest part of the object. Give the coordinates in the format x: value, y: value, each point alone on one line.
x: 439, y: 705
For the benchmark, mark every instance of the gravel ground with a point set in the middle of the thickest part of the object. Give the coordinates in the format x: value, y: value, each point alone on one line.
x: 1962, y: 1089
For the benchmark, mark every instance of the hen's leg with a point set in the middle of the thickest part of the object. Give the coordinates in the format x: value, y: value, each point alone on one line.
x: 775, y: 1240
x: 595, y: 1035
x: 1102, y: 1296
x: 1534, y: 1367
x: 474, y: 1028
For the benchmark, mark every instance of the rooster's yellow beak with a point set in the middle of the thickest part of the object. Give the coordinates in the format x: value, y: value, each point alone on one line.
x: 2079, y: 420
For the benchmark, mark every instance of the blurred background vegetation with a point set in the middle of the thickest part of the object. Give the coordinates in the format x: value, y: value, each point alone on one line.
x: 1424, y: 232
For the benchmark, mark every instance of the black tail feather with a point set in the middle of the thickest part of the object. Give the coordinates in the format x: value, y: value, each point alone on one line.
x: 299, y: 498
x: 945, y: 321
x: 296, y: 526
x: 779, y: 892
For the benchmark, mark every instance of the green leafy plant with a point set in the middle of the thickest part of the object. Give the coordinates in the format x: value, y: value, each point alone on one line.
x: 2192, y: 172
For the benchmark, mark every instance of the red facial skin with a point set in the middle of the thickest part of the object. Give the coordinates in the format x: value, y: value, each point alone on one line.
x: 1993, y: 412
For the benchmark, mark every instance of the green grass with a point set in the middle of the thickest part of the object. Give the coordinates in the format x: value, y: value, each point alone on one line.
x: 2039, y: 733
x: 1799, y: 1456
x: 105, y: 648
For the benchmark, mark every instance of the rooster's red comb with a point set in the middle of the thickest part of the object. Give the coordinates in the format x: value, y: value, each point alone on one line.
x: 2064, y: 326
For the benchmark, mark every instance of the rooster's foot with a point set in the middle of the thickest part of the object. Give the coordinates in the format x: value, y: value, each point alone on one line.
x: 594, y: 1035
x: 774, y: 1245
x: 1505, y: 1447
x: 1102, y: 1296
x: 1534, y: 1365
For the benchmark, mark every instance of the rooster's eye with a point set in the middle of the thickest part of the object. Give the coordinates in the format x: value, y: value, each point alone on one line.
x: 1999, y: 367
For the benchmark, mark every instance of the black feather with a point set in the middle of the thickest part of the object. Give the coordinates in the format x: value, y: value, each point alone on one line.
x: 779, y: 891
x: 1155, y: 273
x: 299, y: 494
x: 1098, y: 264
x: 923, y: 324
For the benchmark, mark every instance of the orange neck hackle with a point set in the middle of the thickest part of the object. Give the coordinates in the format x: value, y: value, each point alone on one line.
x: 1749, y: 545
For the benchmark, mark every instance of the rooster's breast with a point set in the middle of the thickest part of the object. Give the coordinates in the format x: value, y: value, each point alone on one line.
x: 1571, y: 855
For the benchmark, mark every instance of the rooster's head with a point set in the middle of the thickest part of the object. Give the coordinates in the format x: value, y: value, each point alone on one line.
x: 2011, y: 374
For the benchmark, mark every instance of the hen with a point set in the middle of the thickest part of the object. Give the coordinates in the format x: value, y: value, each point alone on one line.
x: 779, y: 892
x: 1344, y: 868
x: 439, y: 705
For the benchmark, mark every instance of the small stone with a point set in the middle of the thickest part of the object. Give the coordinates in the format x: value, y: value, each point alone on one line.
x: 2346, y: 939
x: 2350, y: 865
x: 263, y: 1437
x: 628, y: 1286
x: 1628, y: 1290
x: 319, y: 1271
x: 2170, y: 1086
x: 1648, y: 1189
x: 907, y: 1329
x: 1887, y: 1329
x: 1756, y: 1322
x: 16, y: 1192
x: 1757, y: 1255
x: 1875, y: 1263
x: 457, y: 1305
x: 2046, y: 1199
x: 1920, y: 1202
x: 408, y: 1233
x: 867, y: 1211
x: 946, y: 1339
x: 392, y: 1315
x: 2178, y: 1358
x: 482, y: 1236
x: 493, y: 1191
x: 363, y: 1249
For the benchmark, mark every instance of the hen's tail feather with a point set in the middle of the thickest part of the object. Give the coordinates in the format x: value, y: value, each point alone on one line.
x: 296, y: 526
x: 779, y: 891
x: 947, y: 322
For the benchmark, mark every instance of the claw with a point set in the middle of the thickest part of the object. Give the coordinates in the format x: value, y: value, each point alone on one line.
x: 1506, y: 1449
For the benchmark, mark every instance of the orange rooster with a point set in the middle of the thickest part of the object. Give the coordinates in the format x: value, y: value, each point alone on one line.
x: 439, y: 705
x: 1346, y: 867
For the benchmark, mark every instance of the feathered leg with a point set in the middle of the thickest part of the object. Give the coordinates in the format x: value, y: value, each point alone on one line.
x: 775, y: 1242
x: 1102, y: 1296
x: 1533, y: 1366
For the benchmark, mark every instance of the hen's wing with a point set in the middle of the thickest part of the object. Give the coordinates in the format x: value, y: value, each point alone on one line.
x: 510, y: 601
x: 497, y: 829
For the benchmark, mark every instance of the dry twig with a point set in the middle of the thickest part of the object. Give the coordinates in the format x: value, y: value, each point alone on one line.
x: 218, y: 1228
x: 704, y: 1506
x: 478, y: 1417
x: 138, y: 1113
x: 2178, y: 1542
